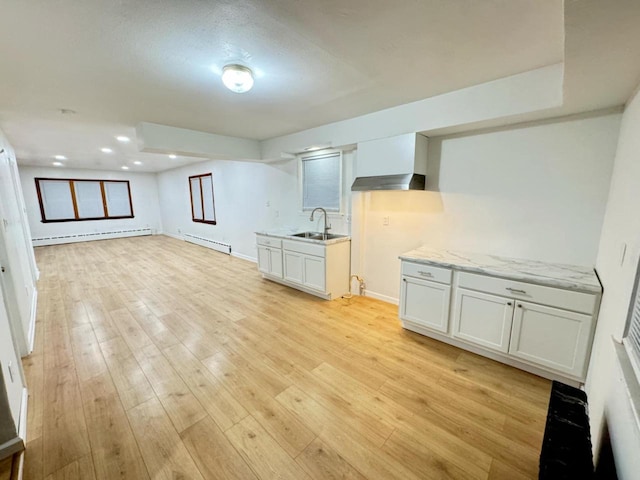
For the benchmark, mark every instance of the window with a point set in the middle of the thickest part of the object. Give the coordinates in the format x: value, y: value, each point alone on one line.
x: 70, y: 200
x: 203, y: 208
x: 632, y: 335
x: 322, y: 182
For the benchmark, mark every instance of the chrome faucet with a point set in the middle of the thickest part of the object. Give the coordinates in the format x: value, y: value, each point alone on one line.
x: 326, y: 227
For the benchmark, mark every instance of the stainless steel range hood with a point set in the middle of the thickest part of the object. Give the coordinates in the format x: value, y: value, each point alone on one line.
x: 410, y: 181
x: 393, y: 163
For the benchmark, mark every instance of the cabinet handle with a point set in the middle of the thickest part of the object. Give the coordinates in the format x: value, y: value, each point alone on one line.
x: 516, y: 290
x: 509, y: 303
x: 425, y: 274
x: 519, y: 305
x: 404, y: 279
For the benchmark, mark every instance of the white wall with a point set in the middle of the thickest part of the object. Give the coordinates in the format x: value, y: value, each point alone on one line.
x: 144, y: 196
x: 535, y: 191
x: 608, y: 400
x: 248, y: 196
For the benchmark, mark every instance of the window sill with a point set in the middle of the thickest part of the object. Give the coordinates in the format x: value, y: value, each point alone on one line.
x: 631, y: 381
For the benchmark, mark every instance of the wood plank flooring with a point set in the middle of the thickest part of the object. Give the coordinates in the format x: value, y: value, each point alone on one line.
x: 156, y: 359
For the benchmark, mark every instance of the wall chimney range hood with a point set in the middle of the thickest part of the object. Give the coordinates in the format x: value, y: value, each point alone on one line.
x: 393, y: 163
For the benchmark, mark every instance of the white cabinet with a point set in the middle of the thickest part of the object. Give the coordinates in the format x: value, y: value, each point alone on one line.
x: 425, y: 303
x: 322, y: 269
x: 549, y: 336
x: 306, y: 270
x: 483, y: 319
x: 270, y: 256
x: 544, y: 329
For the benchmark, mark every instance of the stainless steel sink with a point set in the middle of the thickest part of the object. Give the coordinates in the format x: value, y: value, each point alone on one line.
x: 317, y: 235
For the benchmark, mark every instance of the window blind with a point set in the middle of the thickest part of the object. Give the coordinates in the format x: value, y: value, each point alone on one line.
x: 117, y: 197
x: 89, y: 199
x: 57, y: 202
x: 632, y: 338
x: 321, y: 182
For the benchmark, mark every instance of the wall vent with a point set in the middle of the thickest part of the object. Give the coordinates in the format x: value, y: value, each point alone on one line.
x: 85, y: 237
x: 207, y: 242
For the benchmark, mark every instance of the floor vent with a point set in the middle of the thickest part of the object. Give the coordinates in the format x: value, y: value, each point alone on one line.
x: 85, y: 237
x: 206, y: 242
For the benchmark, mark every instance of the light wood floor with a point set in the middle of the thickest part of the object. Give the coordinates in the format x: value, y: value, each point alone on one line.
x: 156, y: 358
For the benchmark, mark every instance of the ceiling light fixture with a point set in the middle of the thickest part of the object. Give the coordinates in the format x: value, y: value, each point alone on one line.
x: 237, y: 78
x: 57, y: 164
x: 172, y: 156
x: 124, y: 167
x: 59, y: 157
x: 106, y: 150
x: 137, y: 162
x: 123, y: 139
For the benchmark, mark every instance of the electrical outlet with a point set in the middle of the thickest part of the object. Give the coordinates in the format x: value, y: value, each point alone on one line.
x: 268, y: 204
x: 385, y: 221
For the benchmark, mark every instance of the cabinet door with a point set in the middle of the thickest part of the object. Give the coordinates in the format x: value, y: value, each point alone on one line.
x: 483, y: 319
x: 275, y: 262
x: 425, y: 303
x: 314, y: 272
x: 293, y: 266
x: 263, y: 259
x: 551, y: 337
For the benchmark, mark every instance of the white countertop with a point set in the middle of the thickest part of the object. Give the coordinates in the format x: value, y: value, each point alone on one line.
x: 288, y: 235
x: 572, y: 277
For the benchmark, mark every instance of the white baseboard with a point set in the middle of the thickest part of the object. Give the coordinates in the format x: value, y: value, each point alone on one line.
x: 32, y: 321
x: 379, y: 296
x: 173, y: 235
x: 244, y: 257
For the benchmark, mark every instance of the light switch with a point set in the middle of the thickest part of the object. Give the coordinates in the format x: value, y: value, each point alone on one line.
x: 385, y: 221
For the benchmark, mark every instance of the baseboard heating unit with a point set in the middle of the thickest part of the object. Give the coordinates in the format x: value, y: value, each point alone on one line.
x: 207, y: 242
x: 85, y: 237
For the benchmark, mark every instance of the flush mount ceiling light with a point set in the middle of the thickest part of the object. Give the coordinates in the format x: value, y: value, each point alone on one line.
x: 237, y: 78
x: 106, y: 150
x: 124, y: 167
x: 60, y: 157
x: 123, y: 139
x: 172, y: 156
x: 57, y: 164
x: 137, y: 162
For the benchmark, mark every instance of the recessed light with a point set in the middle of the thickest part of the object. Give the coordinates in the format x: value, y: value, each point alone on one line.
x: 57, y: 164
x: 137, y: 162
x: 173, y: 157
x: 124, y: 167
x: 106, y: 150
x: 123, y: 139
x: 237, y: 78
x: 59, y: 157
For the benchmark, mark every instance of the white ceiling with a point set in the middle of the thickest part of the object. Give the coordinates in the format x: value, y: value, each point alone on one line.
x: 119, y: 63
x: 124, y: 62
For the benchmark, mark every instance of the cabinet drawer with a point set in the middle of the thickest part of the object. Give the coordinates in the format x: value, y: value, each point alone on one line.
x: 304, y: 247
x: 269, y: 241
x: 427, y: 272
x: 555, y: 297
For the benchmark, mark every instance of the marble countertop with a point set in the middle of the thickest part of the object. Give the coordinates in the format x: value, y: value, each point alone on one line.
x: 287, y: 234
x: 572, y: 277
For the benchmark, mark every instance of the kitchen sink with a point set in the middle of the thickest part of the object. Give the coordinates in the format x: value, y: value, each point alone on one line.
x: 317, y: 235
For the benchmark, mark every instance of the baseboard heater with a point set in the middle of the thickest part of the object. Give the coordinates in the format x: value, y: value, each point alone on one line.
x: 207, y: 242
x: 566, y: 447
x: 85, y: 237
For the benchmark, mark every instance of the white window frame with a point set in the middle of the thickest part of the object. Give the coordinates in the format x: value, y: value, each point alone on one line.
x: 633, y: 349
x: 316, y: 155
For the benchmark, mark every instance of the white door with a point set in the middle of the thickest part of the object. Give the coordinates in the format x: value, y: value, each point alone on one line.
x: 263, y: 259
x: 10, y: 364
x: 314, y: 272
x: 275, y: 262
x: 551, y: 337
x: 425, y: 303
x: 483, y: 319
x: 293, y: 267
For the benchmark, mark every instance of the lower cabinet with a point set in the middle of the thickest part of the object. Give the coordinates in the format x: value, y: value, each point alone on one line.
x: 483, y: 319
x: 519, y: 323
x: 425, y: 303
x: 552, y: 337
x: 316, y: 268
x: 307, y: 270
x: 270, y: 260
